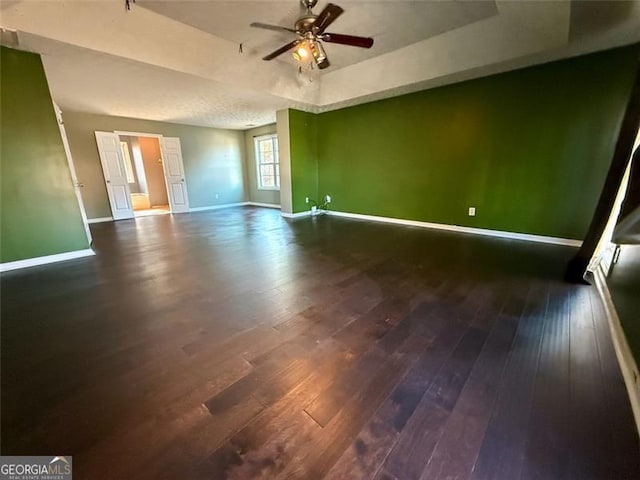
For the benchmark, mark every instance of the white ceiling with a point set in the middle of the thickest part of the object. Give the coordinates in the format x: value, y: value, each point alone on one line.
x: 179, y: 61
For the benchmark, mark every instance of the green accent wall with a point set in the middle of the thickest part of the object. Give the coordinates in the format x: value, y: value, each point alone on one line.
x: 38, y: 207
x: 303, y: 131
x: 529, y: 148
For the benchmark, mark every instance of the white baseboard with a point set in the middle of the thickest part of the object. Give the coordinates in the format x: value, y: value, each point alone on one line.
x: 99, y: 220
x: 456, y: 228
x: 218, y: 207
x: 58, y: 257
x: 628, y: 365
x: 296, y: 215
x: 260, y: 204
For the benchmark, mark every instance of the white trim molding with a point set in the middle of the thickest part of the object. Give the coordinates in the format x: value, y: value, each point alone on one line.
x: 58, y: 257
x: 296, y: 215
x: 137, y: 134
x: 218, y: 207
x: 72, y: 171
x: 628, y: 365
x: 266, y: 205
x: 100, y: 220
x: 457, y: 228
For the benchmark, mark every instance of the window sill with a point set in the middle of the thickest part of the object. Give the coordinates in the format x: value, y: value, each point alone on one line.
x: 276, y: 189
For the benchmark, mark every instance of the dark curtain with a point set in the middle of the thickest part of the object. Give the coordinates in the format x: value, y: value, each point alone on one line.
x: 577, y: 269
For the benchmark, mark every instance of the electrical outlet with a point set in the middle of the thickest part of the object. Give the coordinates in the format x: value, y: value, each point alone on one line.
x: 306, y: 199
x: 472, y: 211
x: 327, y: 198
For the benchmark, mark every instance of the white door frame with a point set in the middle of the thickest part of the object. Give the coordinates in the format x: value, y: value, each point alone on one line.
x: 137, y: 134
x: 72, y: 169
x: 159, y: 137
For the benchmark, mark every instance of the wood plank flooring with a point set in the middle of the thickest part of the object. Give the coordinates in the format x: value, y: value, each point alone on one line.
x: 238, y: 345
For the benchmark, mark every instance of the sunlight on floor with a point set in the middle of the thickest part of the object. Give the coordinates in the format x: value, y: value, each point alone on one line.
x: 157, y: 210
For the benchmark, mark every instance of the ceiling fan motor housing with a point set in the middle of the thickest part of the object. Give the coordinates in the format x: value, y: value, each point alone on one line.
x: 308, y: 3
x: 305, y: 23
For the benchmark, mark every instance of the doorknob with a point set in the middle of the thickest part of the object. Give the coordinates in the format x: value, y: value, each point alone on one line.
x: 108, y: 181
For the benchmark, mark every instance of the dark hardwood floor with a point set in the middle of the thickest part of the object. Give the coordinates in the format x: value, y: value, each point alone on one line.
x: 235, y: 344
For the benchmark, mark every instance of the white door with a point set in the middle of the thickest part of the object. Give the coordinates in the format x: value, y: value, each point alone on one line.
x: 115, y: 175
x: 174, y: 174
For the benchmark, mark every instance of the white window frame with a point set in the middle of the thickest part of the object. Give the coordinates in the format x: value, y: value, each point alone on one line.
x: 276, y: 158
x: 124, y: 146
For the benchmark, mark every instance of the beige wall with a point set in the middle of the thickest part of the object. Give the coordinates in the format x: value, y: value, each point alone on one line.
x: 213, y: 159
x: 153, y: 171
x: 284, y: 146
x: 255, y: 194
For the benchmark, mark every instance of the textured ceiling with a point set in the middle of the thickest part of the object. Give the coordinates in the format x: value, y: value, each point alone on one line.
x: 179, y: 61
x: 417, y: 21
x: 112, y: 85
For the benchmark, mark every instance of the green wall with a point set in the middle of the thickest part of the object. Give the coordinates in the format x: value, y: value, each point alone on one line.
x: 529, y: 148
x: 303, y: 131
x: 38, y: 207
x: 213, y: 159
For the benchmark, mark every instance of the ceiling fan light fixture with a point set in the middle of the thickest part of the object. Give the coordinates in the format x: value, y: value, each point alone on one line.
x: 317, y: 50
x: 301, y: 52
x: 310, y: 29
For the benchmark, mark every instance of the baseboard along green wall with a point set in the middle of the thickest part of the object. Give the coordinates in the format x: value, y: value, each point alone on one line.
x: 529, y: 149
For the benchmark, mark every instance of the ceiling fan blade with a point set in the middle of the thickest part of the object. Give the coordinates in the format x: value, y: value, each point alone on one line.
x: 324, y: 64
x: 281, y: 50
x: 327, y: 16
x: 276, y: 28
x: 354, y: 41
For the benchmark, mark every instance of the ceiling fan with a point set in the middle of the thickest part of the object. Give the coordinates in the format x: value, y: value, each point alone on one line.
x: 310, y: 30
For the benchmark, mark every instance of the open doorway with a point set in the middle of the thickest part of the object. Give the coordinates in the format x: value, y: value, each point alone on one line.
x: 145, y: 175
x: 144, y: 171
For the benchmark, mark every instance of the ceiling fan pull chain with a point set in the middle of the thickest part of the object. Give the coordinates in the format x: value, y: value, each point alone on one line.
x: 127, y: 4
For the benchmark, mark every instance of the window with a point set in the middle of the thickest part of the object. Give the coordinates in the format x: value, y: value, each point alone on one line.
x: 267, y: 162
x: 124, y: 146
